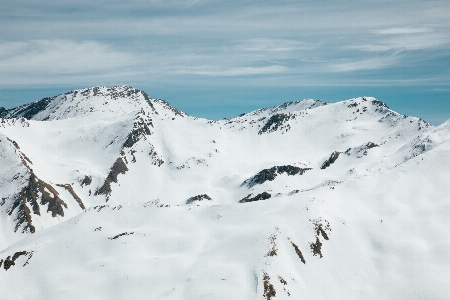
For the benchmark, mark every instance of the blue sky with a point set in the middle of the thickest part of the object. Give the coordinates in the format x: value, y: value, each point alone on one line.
x: 217, y: 59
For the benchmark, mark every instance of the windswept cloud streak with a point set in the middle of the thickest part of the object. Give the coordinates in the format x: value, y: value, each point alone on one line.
x: 365, y: 64
x: 405, y: 30
x: 241, y: 71
x: 405, y: 39
x: 273, y: 45
x: 60, y: 56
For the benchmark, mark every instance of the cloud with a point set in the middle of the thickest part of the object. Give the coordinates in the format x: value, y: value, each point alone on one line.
x: 373, y: 63
x: 400, y: 30
x: 418, y: 40
x: 103, y: 42
x: 41, y: 60
x: 239, y: 71
x: 59, y: 56
x: 273, y: 45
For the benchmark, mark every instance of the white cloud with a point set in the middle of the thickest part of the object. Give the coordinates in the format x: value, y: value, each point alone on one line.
x: 396, y: 39
x: 401, y: 30
x: 238, y: 71
x: 47, y: 60
x: 372, y: 63
x: 273, y: 45
x: 156, y: 41
x: 59, y: 57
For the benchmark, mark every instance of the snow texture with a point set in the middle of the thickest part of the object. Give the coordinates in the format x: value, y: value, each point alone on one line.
x: 106, y: 193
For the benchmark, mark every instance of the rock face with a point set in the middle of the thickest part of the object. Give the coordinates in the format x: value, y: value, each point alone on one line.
x: 333, y: 157
x: 11, y: 261
x: 262, y: 196
x: 34, y: 193
x: 362, y: 150
x: 275, y: 122
x: 28, y: 111
x: 119, y: 167
x: 198, y: 198
x: 272, y: 173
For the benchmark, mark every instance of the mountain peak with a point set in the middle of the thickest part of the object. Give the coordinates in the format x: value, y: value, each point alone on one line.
x: 116, y: 100
x: 287, y: 107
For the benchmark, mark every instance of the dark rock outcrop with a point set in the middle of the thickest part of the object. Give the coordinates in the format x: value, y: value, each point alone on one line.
x: 272, y: 173
x: 333, y: 157
x: 121, y: 234
x: 169, y: 107
x: 28, y: 111
x: 316, y: 248
x: 269, y: 290
x: 379, y: 103
x: 361, y: 150
x: 262, y: 196
x: 275, y: 122
x: 119, y: 167
x: 87, y: 180
x: 198, y: 198
x: 69, y: 188
x: 35, y: 190
x: 140, y: 130
x: 299, y: 253
x: 11, y: 261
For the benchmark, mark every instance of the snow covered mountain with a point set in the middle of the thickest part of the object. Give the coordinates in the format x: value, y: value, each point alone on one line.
x: 106, y: 193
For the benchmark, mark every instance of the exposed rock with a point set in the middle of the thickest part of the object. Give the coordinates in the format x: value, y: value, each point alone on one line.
x: 23, y: 158
x: 273, y: 249
x: 269, y: 290
x: 55, y: 204
x: 87, y: 180
x: 275, y: 122
x: 299, y: 253
x: 272, y: 173
x: 330, y: 160
x: 13, y: 122
x: 140, y: 130
x: 28, y: 110
x: 301, y: 105
x: 121, y: 234
x: 361, y: 150
x: 379, y: 103
x: 281, y: 279
x: 35, y: 190
x: 119, y: 167
x: 187, y: 164
x: 262, y: 196
x: 69, y: 188
x: 147, y: 99
x: 167, y: 106
x: 316, y: 247
x: 198, y: 198
x: 320, y: 229
x: 9, y: 262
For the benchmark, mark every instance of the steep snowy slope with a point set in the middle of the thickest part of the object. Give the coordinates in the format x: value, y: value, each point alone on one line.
x: 308, y: 199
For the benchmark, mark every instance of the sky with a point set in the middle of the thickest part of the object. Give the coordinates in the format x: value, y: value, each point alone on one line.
x: 217, y: 59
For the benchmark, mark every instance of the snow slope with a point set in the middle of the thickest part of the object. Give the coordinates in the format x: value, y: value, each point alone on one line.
x: 308, y: 199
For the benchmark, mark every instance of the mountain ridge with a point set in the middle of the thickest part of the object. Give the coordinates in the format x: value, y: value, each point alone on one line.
x: 233, y: 205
